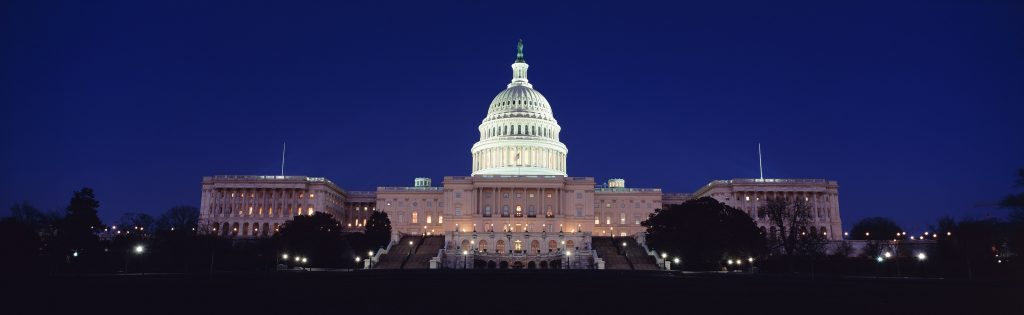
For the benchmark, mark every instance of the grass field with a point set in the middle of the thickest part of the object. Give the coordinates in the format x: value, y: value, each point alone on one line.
x: 506, y: 292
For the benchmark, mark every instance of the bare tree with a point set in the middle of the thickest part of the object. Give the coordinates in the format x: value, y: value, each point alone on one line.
x: 790, y: 226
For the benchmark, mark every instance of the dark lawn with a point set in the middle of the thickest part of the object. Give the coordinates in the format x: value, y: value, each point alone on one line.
x: 509, y: 292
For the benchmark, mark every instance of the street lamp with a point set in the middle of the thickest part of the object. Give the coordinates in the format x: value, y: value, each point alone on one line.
x: 465, y: 259
x: 921, y: 256
x: 139, y: 249
x: 887, y: 255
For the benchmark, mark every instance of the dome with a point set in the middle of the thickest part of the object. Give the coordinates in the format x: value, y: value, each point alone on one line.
x: 519, y: 101
x: 519, y: 135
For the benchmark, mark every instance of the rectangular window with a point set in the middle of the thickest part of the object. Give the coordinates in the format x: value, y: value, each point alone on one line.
x: 622, y: 218
x: 458, y: 210
x: 636, y: 219
x: 597, y: 220
x: 415, y: 218
x: 458, y: 194
x: 579, y: 211
x: 579, y: 195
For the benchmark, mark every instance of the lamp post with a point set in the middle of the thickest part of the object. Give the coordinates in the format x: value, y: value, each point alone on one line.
x: 465, y: 259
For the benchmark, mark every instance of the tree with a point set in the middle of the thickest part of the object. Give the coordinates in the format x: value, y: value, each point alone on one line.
x: 19, y: 245
x: 137, y: 220
x: 180, y: 218
x: 28, y: 215
x: 790, y: 223
x: 378, y: 230
x: 318, y: 238
x: 876, y: 229
x: 75, y: 230
x: 704, y: 232
x: 1016, y: 205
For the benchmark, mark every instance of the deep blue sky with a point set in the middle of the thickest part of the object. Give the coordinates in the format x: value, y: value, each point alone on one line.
x: 914, y: 107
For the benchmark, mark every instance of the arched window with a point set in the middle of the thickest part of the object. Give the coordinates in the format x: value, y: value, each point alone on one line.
x: 552, y: 246
x: 499, y: 246
x: 465, y: 245
x: 535, y: 246
x: 415, y: 217
x: 483, y: 245
x: 570, y: 244
x: 429, y: 219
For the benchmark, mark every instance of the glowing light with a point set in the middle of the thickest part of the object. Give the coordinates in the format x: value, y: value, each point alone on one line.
x: 949, y: 233
x: 284, y: 256
x: 921, y: 256
x: 75, y: 254
x: 139, y: 249
x: 664, y: 255
x: 730, y: 261
x: 887, y: 255
x: 879, y: 259
x: 675, y: 260
x: 303, y: 260
x: 465, y: 252
x: 357, y: 259
x: 750, y: 259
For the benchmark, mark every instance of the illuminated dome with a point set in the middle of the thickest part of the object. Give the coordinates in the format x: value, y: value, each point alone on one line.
x: 519, y: 136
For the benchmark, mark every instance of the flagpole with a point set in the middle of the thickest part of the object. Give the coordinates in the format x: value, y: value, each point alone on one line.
x: 284, y: 147
x: 760, y: 166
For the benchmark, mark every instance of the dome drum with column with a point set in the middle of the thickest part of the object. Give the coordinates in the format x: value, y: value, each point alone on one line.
x: 519, y: 136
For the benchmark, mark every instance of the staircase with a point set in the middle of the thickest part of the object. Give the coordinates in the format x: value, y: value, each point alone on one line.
x: 398, y: 253
x: 637, y: 256
x: 415, y: 256
x: 608, y: 250
x: 425, y: 250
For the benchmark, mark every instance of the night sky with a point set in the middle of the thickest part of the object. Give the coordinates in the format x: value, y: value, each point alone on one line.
x: 915, y: 107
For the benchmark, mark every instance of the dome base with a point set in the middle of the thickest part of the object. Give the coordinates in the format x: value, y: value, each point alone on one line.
x: 513, y: 170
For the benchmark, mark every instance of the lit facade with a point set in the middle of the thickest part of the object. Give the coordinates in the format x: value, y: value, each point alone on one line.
x: 518, y: 204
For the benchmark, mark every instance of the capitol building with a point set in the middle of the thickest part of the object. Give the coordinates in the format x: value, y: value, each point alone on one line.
x: 519, y: 208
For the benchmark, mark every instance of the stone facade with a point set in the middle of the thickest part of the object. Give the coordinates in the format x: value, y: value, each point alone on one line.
x: 518, y: 202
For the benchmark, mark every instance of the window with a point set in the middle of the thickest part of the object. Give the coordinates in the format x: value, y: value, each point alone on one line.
x: 487, y: 211
x: 504, y: 211
x: 415, y: 217
x: 518, y: 195
x: 505, y: 195
x: 533, y: 212
x: 549, y: 213
x: 607, y: 205
x: 310, y: 211
x: 430, y: 204
x: 458, y: 194
x: 636, y: 219
x: 519, y: 211
x: 415, y: 204
x: 622, y: 218
x: 597, y: 220
x: 608, y: 219
x: 531, y: 195
x: 440, y: 219
x: 579, y: 211
x: 429, y: 219
x: 579, y: 195
x: 549, y: 195
x: 458, y: 210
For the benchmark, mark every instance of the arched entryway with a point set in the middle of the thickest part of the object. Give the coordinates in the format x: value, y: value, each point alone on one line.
x: 503, y: 265
x: 531, y: 265
x: 491, y: 265
x: 543, y: 264
x: 555, y: 264
x: 517, y: 265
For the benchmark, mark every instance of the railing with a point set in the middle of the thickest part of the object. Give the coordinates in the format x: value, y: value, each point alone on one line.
x: 771, y: 180
x: 410, y: 188
x: 677, y: 195
x: 266, y: 177
x: 627, y: 189
x: 363, y: 193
